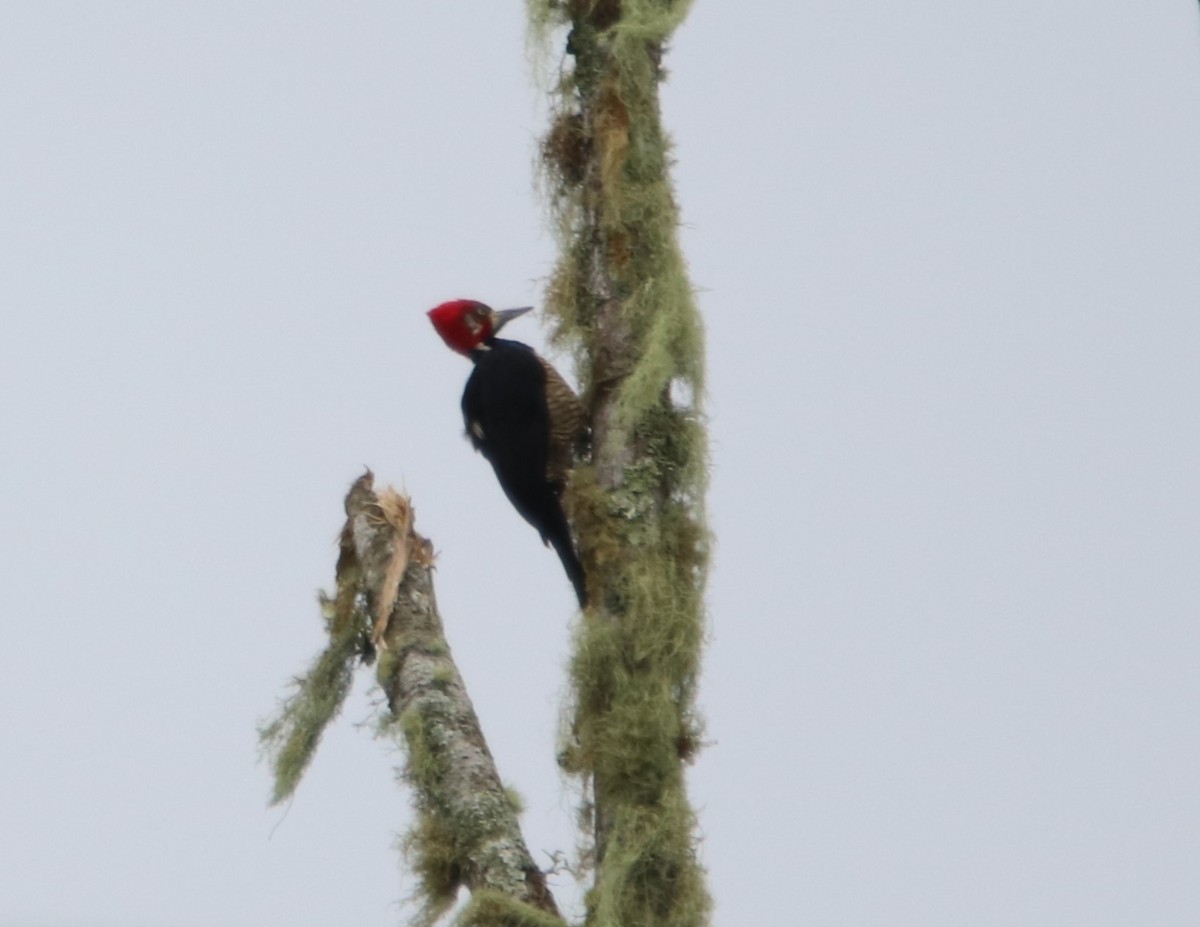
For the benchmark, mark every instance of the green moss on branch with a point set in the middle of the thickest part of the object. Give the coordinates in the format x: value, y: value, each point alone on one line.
x: 621, y: 300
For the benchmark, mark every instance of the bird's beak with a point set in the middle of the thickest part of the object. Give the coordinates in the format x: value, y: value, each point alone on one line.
x: 504, y: 316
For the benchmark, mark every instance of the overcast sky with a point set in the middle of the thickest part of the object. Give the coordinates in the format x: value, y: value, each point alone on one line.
x: 948, y: 255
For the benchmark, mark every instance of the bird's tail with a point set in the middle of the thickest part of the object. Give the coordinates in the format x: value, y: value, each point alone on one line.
x: 566, y: 553
x: 543, y: 509
x: 558, y: 536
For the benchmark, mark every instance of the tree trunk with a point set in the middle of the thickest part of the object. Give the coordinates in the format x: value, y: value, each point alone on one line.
x: 620, y: 296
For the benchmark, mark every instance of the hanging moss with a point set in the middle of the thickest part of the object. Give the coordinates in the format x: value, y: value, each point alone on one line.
x: 291, y: 737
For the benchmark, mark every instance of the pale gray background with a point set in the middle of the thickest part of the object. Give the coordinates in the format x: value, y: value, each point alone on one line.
x: 948, y: 257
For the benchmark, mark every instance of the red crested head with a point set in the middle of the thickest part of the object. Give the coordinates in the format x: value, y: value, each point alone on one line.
x: 465, y: 324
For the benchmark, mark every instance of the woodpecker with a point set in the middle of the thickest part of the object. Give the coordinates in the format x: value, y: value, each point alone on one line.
x: 522, y: 416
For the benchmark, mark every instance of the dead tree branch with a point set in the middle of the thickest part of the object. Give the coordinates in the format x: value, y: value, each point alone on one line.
x: 466, y: 833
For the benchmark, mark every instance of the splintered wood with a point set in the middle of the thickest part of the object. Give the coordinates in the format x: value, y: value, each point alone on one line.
x: 395, y: 512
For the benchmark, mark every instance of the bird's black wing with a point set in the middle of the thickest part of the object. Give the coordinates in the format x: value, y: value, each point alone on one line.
x: 508, y: 421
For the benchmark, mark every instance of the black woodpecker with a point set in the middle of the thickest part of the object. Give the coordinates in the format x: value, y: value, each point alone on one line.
x: 522, y: 416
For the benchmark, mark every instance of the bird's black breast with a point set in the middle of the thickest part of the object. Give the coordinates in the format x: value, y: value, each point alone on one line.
x: 507, y: 419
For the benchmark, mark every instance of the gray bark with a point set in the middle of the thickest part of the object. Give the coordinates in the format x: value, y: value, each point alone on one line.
x: 449, y: 765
